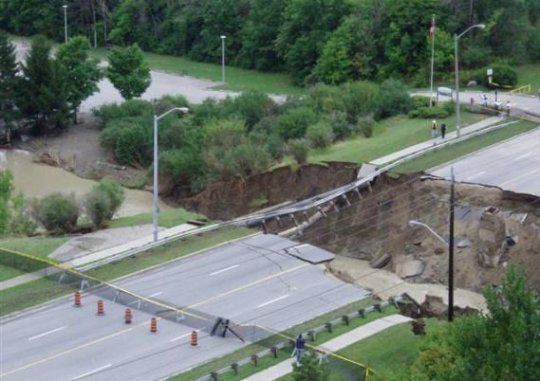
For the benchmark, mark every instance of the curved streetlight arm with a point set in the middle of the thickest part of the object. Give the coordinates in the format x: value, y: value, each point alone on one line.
x: 183, y: 110
x: 418, y: 223
x: 480, y: 26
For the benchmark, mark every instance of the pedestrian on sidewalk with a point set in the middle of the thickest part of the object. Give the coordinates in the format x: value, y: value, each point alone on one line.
x: 443, y: 130
x: 507, y: 108
x: 299, y: 346
x: 434, y: 127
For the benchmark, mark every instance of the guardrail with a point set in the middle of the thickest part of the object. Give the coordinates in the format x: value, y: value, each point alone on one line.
x: 525, y: 89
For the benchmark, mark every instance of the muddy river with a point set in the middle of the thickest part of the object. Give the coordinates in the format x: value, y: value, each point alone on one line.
x: 38, y: 180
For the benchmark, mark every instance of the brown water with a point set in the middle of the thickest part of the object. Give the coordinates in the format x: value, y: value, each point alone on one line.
x: 38, y: 180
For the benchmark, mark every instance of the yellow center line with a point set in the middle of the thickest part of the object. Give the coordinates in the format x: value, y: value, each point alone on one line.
x: 107, y: 337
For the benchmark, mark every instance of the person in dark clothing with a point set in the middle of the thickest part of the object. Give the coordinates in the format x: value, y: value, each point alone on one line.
x: 299, y: 346
x: 443, y: 130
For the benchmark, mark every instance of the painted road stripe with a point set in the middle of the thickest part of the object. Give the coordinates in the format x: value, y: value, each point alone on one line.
x: 182, y: 336
x: 223, y: 270
x: 155, y: 294
x: 45, y: 333
x: 273, y: 301
x: 92, y: 372
x: 519, y: 177
x: 475, y: 175
x: 524, y: 155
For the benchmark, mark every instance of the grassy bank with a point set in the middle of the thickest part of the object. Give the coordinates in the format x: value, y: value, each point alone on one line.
x: 389, y: 135
x: 455, y: 151
x: 36, y: 246
x: 268, y: 361
x: 41, y: 290
x: 236, y: 79
x: 529, y: 74
x: 167, y: 218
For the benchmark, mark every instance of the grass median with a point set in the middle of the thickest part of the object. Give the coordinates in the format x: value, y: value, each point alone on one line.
x: 466, y: 147
x: 269, y: 361
x: 39, y: 291
x: 167, y: 218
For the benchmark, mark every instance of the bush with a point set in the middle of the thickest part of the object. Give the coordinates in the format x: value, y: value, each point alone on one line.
x: 299, y: 149
x: 130, y: 139
x: 360, y: 99
x: 103, y: 201
x: 131, y: 108
x: 340, y: 125
x: 58, y: 213
x: 503, y: 75
x: 366, y: 125
x: 320, y: 135
x: 21, y: 222
x: 437, y: 112
x: 251, y: 106
x: 395, y: 99
x: 294, y: 123
x: 419, y: 102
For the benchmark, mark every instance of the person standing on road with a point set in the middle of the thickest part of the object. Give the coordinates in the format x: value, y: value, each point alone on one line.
x: 443, y: 130
x: 299, y: 346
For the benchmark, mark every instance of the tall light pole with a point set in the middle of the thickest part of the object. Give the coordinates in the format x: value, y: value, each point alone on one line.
x: 450, y: 244
x: 65, y: 23
x: 155, y: 214
x: 456, y: 69
x: 223, y: 37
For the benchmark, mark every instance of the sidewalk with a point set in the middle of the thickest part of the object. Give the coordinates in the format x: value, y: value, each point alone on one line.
x: 429, y: 143
x: 88, y: 256
x: 337, y: 343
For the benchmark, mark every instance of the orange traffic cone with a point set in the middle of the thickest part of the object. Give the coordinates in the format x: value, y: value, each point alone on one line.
x: 153, y: 325
x: 77, y: 299
x: 194, y: 338
x: 100, y: 307
x: 128, y: 316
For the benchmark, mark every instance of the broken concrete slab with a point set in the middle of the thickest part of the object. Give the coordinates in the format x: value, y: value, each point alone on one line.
x: 310, y: 253
x: 410, y: 268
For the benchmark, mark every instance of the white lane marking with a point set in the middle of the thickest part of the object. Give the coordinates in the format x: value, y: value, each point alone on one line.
x: 155, y: 294
x: 475, y: 175
x: 223, y: 270
x: 92, y: 372
x: 273, y: 301
x: 524, y: 155
x: 182, y: 336
x: 519, y: 177
x: 46, y: 333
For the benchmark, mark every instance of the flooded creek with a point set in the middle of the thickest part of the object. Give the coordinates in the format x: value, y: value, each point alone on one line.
x: 38, y: 180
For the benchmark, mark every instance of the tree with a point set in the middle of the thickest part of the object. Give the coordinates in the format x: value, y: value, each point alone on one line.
x: 82, y: 73
x: 8, y: 82
x: 43, y: 90
x: 501, y: 345
x: 128, y: 71
x: 58, y: 213
x: 6, y: 187
x: 310, y: 369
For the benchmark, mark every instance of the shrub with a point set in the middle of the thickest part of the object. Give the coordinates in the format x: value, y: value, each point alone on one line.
x: 325, y: 98
x: 320, y: 135
x: 183, y: 167
x: 299, y: 149
x: 366, y: 125
x: 395, y: 99
x: 252, y: 106
x: 437, y: 112
x: 360, y: 98
x: 21, y: 222
x: 419, y: 102
x: 58, y: 213
x: 103, y: 201
x: 294, y: 123
x: 131, y: 108
x: 340, y: 125
x: 503, y: 75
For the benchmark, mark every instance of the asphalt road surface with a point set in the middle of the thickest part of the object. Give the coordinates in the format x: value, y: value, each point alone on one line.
x: 512, y: 165
x: 251, y: 281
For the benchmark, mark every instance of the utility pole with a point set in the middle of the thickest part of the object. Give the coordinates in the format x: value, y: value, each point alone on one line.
x: 451, y: 250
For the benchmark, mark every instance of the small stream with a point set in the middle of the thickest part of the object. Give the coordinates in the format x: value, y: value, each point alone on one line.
x: 38, y: 180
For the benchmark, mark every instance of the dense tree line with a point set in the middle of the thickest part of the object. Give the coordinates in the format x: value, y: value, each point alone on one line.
x: 314, y: 40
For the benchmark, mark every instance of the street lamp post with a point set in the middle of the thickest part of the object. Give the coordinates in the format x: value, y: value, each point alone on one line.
x: 155, y: 214
x: 65, y: 23
x: 456, y: 69
x: 450, y: 244
x: 223, y: 37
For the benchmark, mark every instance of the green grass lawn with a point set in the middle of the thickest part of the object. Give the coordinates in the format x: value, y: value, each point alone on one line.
x: 455, y: 151
x: 268, y: 361
x: 236, y: 79
x: 529, y: 74
x: 167, y: 218
x: 389, y: 135
x: 37, y: 246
